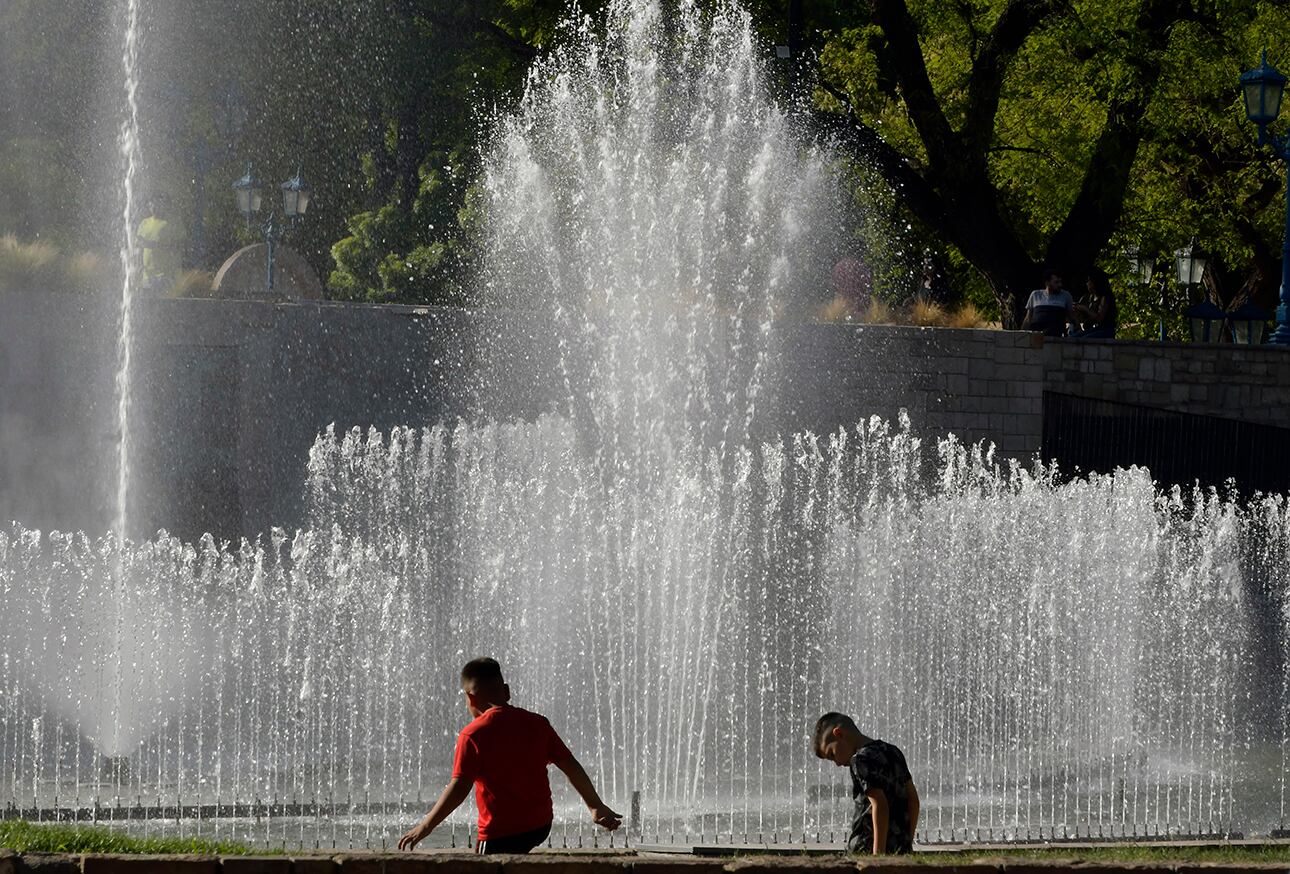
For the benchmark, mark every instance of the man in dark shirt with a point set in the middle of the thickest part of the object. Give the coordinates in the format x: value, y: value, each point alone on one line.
x: 886, y: 799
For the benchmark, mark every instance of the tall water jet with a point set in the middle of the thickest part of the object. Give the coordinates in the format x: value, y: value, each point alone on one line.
x: 651, y: 194
x: 128, y: 141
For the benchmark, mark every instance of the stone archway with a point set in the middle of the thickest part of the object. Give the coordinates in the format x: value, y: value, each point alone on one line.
x: 244, y: 275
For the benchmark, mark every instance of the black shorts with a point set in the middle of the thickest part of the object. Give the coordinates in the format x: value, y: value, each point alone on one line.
x: 520, y: 843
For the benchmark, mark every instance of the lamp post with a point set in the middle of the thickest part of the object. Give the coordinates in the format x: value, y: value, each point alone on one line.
x: 1248, y: 323
x: 296, y: 194
x: 1142, y: 267
x: 1206, y: 322
x: 1189, y: 267
x: 1262, y: 88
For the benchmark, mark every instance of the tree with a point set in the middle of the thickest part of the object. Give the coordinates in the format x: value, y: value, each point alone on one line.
x: 444, y: 63
x: 1021, y: 133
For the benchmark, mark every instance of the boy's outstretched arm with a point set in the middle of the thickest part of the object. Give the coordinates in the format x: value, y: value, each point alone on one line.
x: 911, y: 792
x: 878, y: 808
x: 449, y: 800
x: 601, y: 815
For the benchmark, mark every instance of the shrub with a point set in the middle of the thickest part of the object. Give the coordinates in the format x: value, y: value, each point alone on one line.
x: 877, y: 313
x: 837, y: 310
x: 28, y: 266
x: 968, y: 315
x: 193, y: 283
x: 926, y: 313
x: 91, y: 273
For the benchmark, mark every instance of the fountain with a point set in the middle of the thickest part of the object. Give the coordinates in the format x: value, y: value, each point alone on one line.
x: 681, y: 591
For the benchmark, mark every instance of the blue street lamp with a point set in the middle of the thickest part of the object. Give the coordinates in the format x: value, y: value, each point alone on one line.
x: 1262, y: 88
x: 295, y: 202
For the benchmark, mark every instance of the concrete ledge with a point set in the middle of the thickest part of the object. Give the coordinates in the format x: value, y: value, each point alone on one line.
x: 586, y: 863
x: 137, y: 864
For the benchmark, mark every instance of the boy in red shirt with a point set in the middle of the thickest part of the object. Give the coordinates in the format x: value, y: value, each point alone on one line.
x: 504, y: 752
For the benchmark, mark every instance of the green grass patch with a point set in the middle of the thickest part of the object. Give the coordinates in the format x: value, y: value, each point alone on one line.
x: 29, y: 837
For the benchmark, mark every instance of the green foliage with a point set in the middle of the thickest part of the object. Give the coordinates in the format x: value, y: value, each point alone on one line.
x: 383, y: 108
x: 1198, y: 171
x: 29, y: 837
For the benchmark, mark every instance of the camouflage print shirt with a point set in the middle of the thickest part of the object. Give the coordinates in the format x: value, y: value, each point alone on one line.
x: 880, y: 765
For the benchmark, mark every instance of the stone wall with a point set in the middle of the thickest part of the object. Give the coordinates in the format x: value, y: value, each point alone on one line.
x: 980, y: 385
x: 229, y: 395
x: 1234, y: 382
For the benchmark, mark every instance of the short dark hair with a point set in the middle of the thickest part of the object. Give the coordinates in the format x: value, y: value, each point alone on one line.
x: 826, y: 724
x: 1050, y: 272
x: 482, y: 670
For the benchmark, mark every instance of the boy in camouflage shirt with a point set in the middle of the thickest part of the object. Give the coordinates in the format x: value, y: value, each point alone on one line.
x: 886, y: 800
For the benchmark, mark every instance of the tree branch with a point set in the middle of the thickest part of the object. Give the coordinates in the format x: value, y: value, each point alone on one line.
x: 906, y: 58
x: 915, y: 191
x: 1015, y: 24
x: 1097, y: 208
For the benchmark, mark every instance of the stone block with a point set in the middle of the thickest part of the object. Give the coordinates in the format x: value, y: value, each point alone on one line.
x: 1228, y: 868
x: 1179, y: 394
x: 360, y: 863
x: 124, y: 864
x: 1127, y: 361
x: 980, y: 368
x: 255, y: 865
x: 444, y: 862
x: 8, y: 861
x: 977, y: 866
x: 675, y: 865
x: 957, y: 383
x: 566, y: 863
x: 803, y: 864
x: 886, y: 864
x: 49, y: 863
x: 313, y: 865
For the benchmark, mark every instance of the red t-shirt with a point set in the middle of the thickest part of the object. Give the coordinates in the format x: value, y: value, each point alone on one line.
x: 505, y: 752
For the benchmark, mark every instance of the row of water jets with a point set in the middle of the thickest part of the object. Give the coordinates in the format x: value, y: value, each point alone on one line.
x: 1056, y: 659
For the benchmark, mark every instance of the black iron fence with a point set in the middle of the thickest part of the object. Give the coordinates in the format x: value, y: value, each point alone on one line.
x: 1087, y: 435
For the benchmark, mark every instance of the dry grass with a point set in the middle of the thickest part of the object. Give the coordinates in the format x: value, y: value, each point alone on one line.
x: 968, y: 315
x: 40, y: 266
x: 28, y: 266
x: 878, y: 313
x: 193, y: 283
x: 89, y: 272
x: 837, y: 310
x: 926, y: 313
